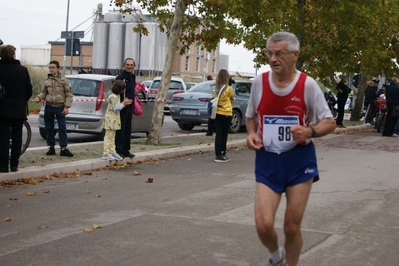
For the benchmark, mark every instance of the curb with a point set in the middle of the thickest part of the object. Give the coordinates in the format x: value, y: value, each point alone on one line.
x: 97, y: 163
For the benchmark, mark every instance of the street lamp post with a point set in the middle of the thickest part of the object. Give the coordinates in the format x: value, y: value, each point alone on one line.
x: 65, y: 44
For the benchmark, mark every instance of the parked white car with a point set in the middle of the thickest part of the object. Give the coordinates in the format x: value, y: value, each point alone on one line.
x: 86, y: 115
x: 177, y: 85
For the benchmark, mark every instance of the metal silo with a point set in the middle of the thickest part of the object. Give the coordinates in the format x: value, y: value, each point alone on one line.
x: 149, y: 47
x: 115, y: 47
x: 100, y: 47
x: 223, y: 61
x: 113, y: 16
x: 161, y: 51
x: 132, y: 43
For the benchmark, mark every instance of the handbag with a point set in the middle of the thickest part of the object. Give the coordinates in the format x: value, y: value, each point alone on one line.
x: 138, y: 107
x: 395, y: 111
x: 213, y: 104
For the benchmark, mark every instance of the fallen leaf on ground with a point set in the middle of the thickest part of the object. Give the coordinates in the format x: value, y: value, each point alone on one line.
x: 87, y: 230
x: 8, y: 219
x: 150, y: 180
x: 136, y: 173
x: 98, y: 196
x: 87, y: 192
x: 43, y: 227
x: 30, y: 193
x: 96, y: 226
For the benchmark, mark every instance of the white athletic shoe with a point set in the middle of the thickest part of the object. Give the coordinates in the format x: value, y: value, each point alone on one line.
x: 110, y: 157
x: 282, y: 262
x: 117, y: 156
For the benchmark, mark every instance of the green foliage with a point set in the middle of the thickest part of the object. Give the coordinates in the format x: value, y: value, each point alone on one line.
x: 336, y: 36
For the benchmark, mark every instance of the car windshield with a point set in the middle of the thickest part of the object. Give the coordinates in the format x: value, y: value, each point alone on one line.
x: 203, y: 87
x: 84, y: 87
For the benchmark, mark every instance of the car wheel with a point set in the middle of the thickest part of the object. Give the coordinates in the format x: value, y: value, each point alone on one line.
x: 100, y: 136
x: 185, y: 126
x: 235, y: 125
x: 43, y: 133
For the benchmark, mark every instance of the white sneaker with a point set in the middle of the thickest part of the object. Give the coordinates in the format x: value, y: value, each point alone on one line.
x: 117, y: 156
x: 104, y: 157
x: 110, y: 157
x: 394, y: 135
x: 282, y: 262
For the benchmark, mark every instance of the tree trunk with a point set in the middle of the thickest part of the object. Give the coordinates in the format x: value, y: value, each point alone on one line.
x: 157, y: 116
x: 359, y: 102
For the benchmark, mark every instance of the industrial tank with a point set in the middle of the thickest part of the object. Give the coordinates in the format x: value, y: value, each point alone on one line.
x: 100, y: 47
x: 149, y: 46
x: 115, y: 47
x: 132, y: 43
x: 161, y: 51
x: 113, y: 16
x: 223, y: 61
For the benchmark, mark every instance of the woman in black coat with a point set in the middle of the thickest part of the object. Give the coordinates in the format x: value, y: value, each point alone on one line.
x: 13, y: 107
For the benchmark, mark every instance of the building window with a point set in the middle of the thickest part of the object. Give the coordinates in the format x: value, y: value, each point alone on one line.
x: 214, y: 53
x: 198, y: 50
x: 197, y: 62
x: 213, y: 65
x: 187, y: 62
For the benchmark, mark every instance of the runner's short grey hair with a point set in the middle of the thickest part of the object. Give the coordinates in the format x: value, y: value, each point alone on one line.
x: 293, y: 42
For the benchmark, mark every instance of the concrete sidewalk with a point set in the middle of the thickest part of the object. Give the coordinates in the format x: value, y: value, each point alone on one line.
x: 87, y: 157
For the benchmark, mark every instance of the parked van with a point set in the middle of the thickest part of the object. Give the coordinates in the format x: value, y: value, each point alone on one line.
x: 86, y: 115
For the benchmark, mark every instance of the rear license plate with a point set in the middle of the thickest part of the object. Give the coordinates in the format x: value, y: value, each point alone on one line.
x: 189, y: 112
x: 68, y: 126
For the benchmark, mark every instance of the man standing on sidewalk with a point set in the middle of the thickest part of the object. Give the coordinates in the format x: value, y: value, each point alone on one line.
x: 123, y: 136
x: 282, y: 103
x: 342, y: 95
x: 58, y: 96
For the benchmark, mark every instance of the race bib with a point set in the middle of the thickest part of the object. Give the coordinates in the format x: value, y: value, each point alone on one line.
x: 276, y: 132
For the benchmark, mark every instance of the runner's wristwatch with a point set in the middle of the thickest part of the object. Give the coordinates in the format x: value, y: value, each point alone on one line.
x: 313, y: 132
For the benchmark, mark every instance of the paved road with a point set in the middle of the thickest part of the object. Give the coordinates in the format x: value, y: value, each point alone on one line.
x: 197, y: 212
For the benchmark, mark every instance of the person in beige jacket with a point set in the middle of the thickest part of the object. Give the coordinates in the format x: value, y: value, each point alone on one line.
x: 57, y: 93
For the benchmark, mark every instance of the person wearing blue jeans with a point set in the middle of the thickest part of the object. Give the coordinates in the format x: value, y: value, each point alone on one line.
x: 49, y: 113
x: 58, y: 96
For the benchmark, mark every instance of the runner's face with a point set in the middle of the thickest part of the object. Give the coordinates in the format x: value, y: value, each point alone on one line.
x: 281, y: 60
x: 129, y: 66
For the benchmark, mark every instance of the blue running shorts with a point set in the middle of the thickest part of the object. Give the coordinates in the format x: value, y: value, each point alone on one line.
x: 278, y: 171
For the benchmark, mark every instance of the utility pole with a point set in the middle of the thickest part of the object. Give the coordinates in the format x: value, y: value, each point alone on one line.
x: 65, y: 44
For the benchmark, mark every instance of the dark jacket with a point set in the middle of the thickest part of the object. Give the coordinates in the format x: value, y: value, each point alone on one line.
x: 370, y: 95
x: 130, y: 80
x: 342, y: 91
x: 392, y: 94
x: 16, y: 81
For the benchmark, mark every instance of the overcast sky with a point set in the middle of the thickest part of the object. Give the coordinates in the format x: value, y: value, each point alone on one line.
x: 31, y: 22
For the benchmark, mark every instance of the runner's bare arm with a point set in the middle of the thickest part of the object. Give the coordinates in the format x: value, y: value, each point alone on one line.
x: 253, y: 140
x: 324, y: 127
